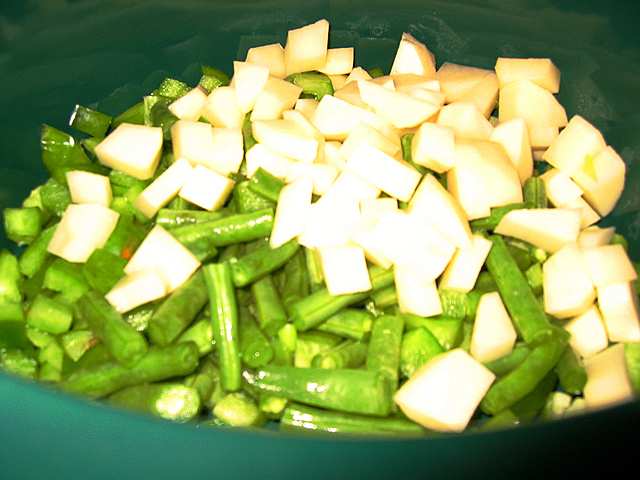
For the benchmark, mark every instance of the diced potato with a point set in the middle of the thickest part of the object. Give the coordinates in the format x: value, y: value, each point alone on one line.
x: 465, y: 120
x: 136, y: 289
x: 413, y: 57
x: 228, y: 150
x: 162, y: 190
x: 248, y: 80
x: 370, y: 239
x: 595, y: 236
x: 350, y: 92
x: 578, y: 141
x: 456, y: 80
x: 444, y: 393
x: 307, y: 127
x: 406, y: 80
x: 87, y: 187
x: 602, y: 179
x: 493, y: 334
x: 206, y: 188
x: 306, y: 48
x: 385, y: 81
x: 161, y: 252
x: 276, y: 97
x: 287, y: 138
x: 132, y: 149
x: 484, y: 95
x: 374, y: 208
x: 222, y: 108
x: 541, y: 138
x: 559, y: 187
x: 540, y: 71
x: 568, y: 289
x: 434, y: 204
x: 81, y: 230
x: 194, y: 141
x: 339, y: 61
x: 514, y: 138
x: 588, y: 335
x: 424, y: 94
x: 402, y: 110
x: 365, y: 134
x: 321, y: 175
x: 463, y: 270
x: 330, y: 221
x: 609, y: 264
x: 546, y: 228
x: 352, y: 186
x: 344, y: 269
x: 358, y: 73
x: 337, y: 81
x: 189, y: 106
x: 292, y: 212
x: 620, y: 311
x: 588, y: 216
x: 433, y: 146
x: 535, y: 105
x: 306, y: 106
x: 394, y: 177
x: 417, y: 293
x: 332, y: 155
x: 270, y: 56
x: 607, y: 378
x: 259, y: 156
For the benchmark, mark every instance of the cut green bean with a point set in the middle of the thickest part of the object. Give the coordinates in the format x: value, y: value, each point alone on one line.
x: 314, y: 84
x: 247, y: 134
x: 535, y: 195
x: 213, y: 78
x: 247, y: 201
x: 200, y: 333
x: 260, y: 262
x: 134, y: 114
x: 311, y: 344
x: 530, y: 406
x: 504, y: 419
x: 507, y: 363
x: 348, y: 354
x: 10, y: 278
x: 67, y: 278
x: 18, y: 362
x: 384, y: 347
x: 139, y: 317
x: 418, y: 347
x: 171, y: 401
x: 348, y: 323
x: 632, y: 358
x: 49, y: 315
x: 265, y: 184
x: 387, y: 297
x: 55, y: 196
x: 535, y: 278
x: 255, y: 348
x: 224, y: 319
x: 36, y: 253
x: 269, y: 309
x: 314, y: 269
x: 296, y: 281
x: 172, y: 88
x: 103, y: 269
x: 448, y: 331
x: 454, y: 303
x: 272, y: 406
x: 556, y: 405
x: 89, y: 121
x: 238, y: 410
x: 78, y: 342
x: 497, y: 214
x: 171, y: 218
x: 22, y: 225
x: 572, y: 375
x: 205, y: 380
x: 60, y: 153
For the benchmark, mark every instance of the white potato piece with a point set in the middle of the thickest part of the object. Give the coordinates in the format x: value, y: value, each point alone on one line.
x: 365, y: 134
x: 161, y: 252
x: 456, y: 80
x: 321, y: 175
x: 222, y: 108
x: 414, y: 57
x: 433, y: 203
x: 81, y: 230
x: 350, y: 185
x: 535, y: 105
x: 607, y: 378
x: 228, y: 150
x: 541, y: 138
x: 194, y: 142
x: 248, y: 80
x: 396, y: 178
x: 189, y: 106
x: 445, y: 392
x: 337, y: 81
x: 463, y: 270
x: 546, y: 228
x: 595, y: 236
x: 484, y: 94
x: 287, y: 138
x: 402, y: 110
x: 493, y: 333
x: 514, y: 138
x: 411, y: 80
x: 576, y: 142
x: 465, y: 120
x: 609, y: 264
x: 330, y: 221
x: 332, y: 156
x: 306, y: 47
x: 339, y: 61
x: 260, y: 156
x: 620, y: 311
x: 162, y: 190
x: 88, y: 187
x: 568, y: 289
x: 559, y: 187
x: 424, y: 94
x: 344, y: 269
x: 602, y: 179
x: 136, y: 289
x: 371, y: 209
x: 206, y: 188
x: 433, y: 146
x: 358, y: 73
x: 417, y: 293
x: 588, y: 335
x: 588, y: 216
x: 276, y: 97
x: 132, y: 149
x: 292, y: 212
x: 270, y: 56
x: 350, y: 92
x: 540, y: 71
x: 306, y: 106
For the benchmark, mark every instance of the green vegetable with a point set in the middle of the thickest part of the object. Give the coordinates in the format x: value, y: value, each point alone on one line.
x: 260, y: 262
x: 632, y: 357
x: 170, y: 218
x: 205, y: 380
x: 172, y: 88
x: 35, y: 255
x: 171, y: 401
x: 265, y: 184
x: 255, y: 348
x: 571, y: 373
x: 238, y: 410
x: 353, y: 391
x: 535, y: 278
x: 387, y: 297
x: 504, y: 419
x: 78, y: 342
x: 311, y: 344
x: 90, y: 121
x: 348, y: 323
x: 200, y: 333
x: 60, y: 154
x: 67, y: 278
x: 296, y: 281
x: 556, y: 405
x: 376, y: 72
x: 247, y: 135
x: 247, y: 201
x: 497, y: 214
x: 212, y: 78
x: 454, y: 304
x: 10, y: 278
x: 224, y: 319
x: 448, y: 331
x: 405, y: 142
x: 139, y: 317
x: 55, y: 196
x: 535, y: 195
x: 269, y: 308
x: 103, y: 269
x: 384, y: 347
x: 22, y: 225
x: 314, y: 84
x: 504, y: 365
x: 348, y: 354
x: 49, y: 315
x: 134, y: 114
x: 530, y: 406
x: 314, y: 269
x: 418, y: 347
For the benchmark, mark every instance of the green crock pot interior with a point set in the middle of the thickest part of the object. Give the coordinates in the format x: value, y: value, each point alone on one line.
x: 56, y: 53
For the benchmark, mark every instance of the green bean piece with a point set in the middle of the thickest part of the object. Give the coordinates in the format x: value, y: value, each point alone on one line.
x: 55, y: 196
x: 124, y: 343
x: 387, y: 297
x: 619, y: 239
x: 319, y: 306
x: 89, y: 121
x: 348, y: 323
x: 384, y: 347
x: 504, y: 419
x: 522, y: 380
x: 497, y: 214
x: 22, y: 225
x: 418, y: 347
x: 376, y: 72
x: 102, y: 379
x: 35, y: 255
x: 171, y: 218
x: 314, y: 84
x: 247, y: 201
x: 260, y: 262
x: 213, y: 78
x: 18, y: 362
x: 348, y: 354
x: 571, y: 373
x: 354, y: 391
x: 224, y: 319
x: 311, y: 344
x: 406, y: 141
x: 527, y: 314
x: 534, y: 192
x: 454, y: 303
x: 265, y: 184
x: 171, y: 401
x: 134, y: 114
x: 238, y: 410
x: 556, y: 405
x: 200, y: 333
x: 503, y: 365
x: 61, y: 153
x: 296, y: 281
x: 78, y: 342
x: 632, y: 358
x: 247, y: 134
x: 10, y: 278
x: 531, y: 405
x: 270, y: 312
x: 314, y: 269
x: 126, y: 237
x: 67, y: 278
x: 103, y: 269
x: 535, y: 278
x: 448, y: 331
x: 302, y: 417
x: 49, y: 315
x: 172, y: 88
x: 255, y: 348
x: 178, y: 311
x: 205, y: 380
x: 272, y: 406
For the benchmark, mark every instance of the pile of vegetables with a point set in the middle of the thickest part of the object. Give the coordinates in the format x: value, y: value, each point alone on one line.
x: 329, y: 247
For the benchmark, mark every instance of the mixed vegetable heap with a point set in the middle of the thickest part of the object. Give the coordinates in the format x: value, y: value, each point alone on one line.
x: 334, y: 248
